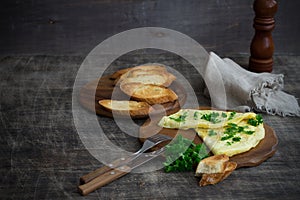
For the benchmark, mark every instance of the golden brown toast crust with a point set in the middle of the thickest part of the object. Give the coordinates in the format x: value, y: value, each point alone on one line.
x: 211, y: 179
x: 214, y: 169
x: 145, y: 84
x: 151, y: 94
x: 125, y: 108
x: 163, y: 77
x: 212, y: 164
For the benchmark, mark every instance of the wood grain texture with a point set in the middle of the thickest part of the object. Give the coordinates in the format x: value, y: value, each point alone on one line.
x: 42, y: 157
x: 63, y: 27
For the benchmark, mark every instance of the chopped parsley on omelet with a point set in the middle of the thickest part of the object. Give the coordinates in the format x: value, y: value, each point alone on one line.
x: 223, y: 132
x: 191, y: 118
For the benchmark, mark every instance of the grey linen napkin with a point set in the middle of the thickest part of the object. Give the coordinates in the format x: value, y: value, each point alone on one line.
x: 232, y: 87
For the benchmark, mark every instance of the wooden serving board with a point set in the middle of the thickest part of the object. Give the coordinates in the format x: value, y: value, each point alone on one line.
x: 264, y: 150
x: 89, y: 98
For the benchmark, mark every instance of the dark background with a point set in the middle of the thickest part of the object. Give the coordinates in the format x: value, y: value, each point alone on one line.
x: 42, y: 46
x: 75, y: 27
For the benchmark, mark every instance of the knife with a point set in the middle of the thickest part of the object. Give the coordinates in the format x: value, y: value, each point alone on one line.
x: 118, y: 172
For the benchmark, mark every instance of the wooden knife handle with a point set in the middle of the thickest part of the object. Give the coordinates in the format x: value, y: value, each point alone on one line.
x: 103, y: 179
x: 94, y: 174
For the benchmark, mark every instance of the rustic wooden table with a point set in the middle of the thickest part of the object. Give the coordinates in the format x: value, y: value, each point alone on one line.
x: 42, y: 156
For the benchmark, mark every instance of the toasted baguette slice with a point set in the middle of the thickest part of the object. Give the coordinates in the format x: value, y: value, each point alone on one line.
x: 151, y: 94
x: 147, y: 74
x: 119, y: 73
x: 154, y: 79
x: 119, y: 107
x: 162, y: 72
x: 212, y: 164
x: 209, y: 179
x: 151, y: 66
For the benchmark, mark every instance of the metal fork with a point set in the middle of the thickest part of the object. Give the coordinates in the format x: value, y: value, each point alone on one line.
x: 148, y: 144
x: 151, y: 142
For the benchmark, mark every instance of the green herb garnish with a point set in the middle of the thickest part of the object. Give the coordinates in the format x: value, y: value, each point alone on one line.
x: 196, y: 115
x: 240, y: 129
x: 249, y: 132
x: 232, y: 114
x: 211, y: 117
x: 236, y: 139
x: 180, y: 158
x: 224, y: 115
x: 255, y: 122
x: 231, y: 131
x: 180, y: 118
x: 226, y: 137
x: 232, y: 125
x: 212, y: 132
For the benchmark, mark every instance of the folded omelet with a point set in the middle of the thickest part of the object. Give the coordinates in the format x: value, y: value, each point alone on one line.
x: 192, y: 118
x: 231, y: 141
x: 228, y: 133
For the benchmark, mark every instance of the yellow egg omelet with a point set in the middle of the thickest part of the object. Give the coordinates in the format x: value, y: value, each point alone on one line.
x: 229, y: 140
x: 192, y: 118
x: 228, y: 133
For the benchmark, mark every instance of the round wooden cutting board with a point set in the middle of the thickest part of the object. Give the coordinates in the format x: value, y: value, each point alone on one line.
x: 106, y: 88
x: 264, y: 150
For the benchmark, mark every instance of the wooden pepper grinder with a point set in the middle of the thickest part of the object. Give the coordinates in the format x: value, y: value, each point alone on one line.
x: 262, y: 46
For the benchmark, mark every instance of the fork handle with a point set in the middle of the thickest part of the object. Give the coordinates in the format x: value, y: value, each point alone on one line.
x: 103, y: 179
x: 94, y: 174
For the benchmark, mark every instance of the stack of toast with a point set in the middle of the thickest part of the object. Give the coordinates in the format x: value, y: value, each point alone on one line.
x: 145, y: 86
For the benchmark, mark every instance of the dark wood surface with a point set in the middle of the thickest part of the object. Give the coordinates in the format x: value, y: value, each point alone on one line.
x: 41, y: 154
x: 72, y: 27
x: 42, y: 157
